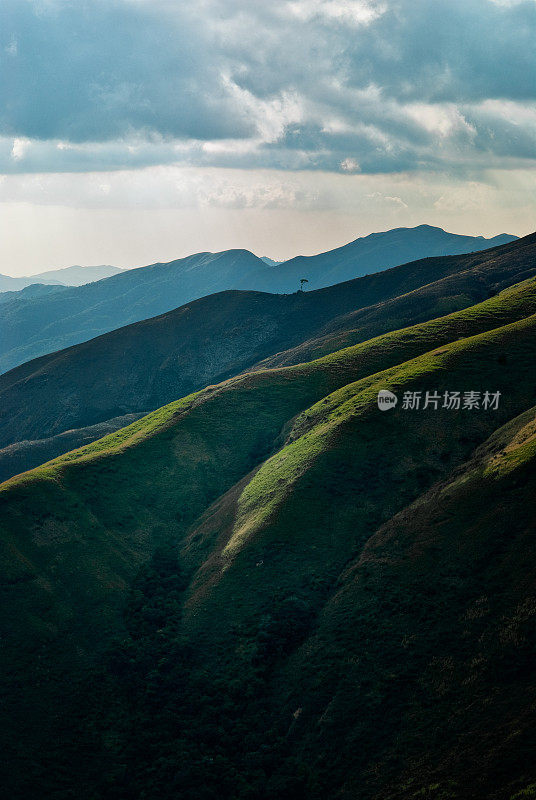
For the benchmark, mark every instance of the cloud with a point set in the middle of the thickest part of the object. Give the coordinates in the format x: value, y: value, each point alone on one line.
x: 352, y: 12
x: 165, y: 187
x: 448, y: 51
x: 96, y: 70
x: 368, y: 86
x: 350, y: 165
x: 19, y: 148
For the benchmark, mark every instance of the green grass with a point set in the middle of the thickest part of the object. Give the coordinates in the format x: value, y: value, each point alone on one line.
x: 324, y: 374
x: 317, y: 429
x: 109, y: 503
x: 431, y: 634
x: 289, y: 488
x: 525, y: 794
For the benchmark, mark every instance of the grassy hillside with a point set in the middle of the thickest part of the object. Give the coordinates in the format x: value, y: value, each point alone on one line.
x: 272, y: 589
x: 476, y: 280
x: 368, y: 461
x: 21, y: 456
x: 433, y: 630
x: 143, y: 366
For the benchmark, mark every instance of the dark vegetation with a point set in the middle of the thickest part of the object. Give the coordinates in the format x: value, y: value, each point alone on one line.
x: 272, y: 589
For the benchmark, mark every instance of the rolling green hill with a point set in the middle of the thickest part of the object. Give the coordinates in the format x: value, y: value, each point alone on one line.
x: 272, y: 589
x: 143, y: 366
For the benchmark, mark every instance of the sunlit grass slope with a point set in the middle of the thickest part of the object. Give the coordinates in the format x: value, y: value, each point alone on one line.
x: 346, y: 467
x: 165, y: 469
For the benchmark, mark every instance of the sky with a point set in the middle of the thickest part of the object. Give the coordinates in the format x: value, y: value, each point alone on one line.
x: 136, y: 131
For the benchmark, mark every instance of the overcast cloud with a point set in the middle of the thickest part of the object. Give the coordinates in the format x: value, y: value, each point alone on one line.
x: 342, y: 86
x: 441, y: 90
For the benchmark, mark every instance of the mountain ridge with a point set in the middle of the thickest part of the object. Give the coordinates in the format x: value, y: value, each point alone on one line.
x: 147, y: 364
x: 67, y: 276
x: 441, y: 241
x: 46, y: 324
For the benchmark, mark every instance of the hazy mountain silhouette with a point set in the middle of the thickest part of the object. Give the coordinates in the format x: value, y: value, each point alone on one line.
x: 68, y: 276
x: 30, y: 292
x: 380, y: 250
x: 45, y: 324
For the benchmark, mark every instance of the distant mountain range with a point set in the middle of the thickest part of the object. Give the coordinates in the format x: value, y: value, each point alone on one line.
x: 69, y: 276
x: 42, y: 324
x: 30, y: 292
x: 272, y: 589
x: 379, y: 251
x: 60, y: 401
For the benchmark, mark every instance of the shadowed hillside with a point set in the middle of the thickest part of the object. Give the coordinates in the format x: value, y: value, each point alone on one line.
x: 143, y: 366
x: 273, y: 589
